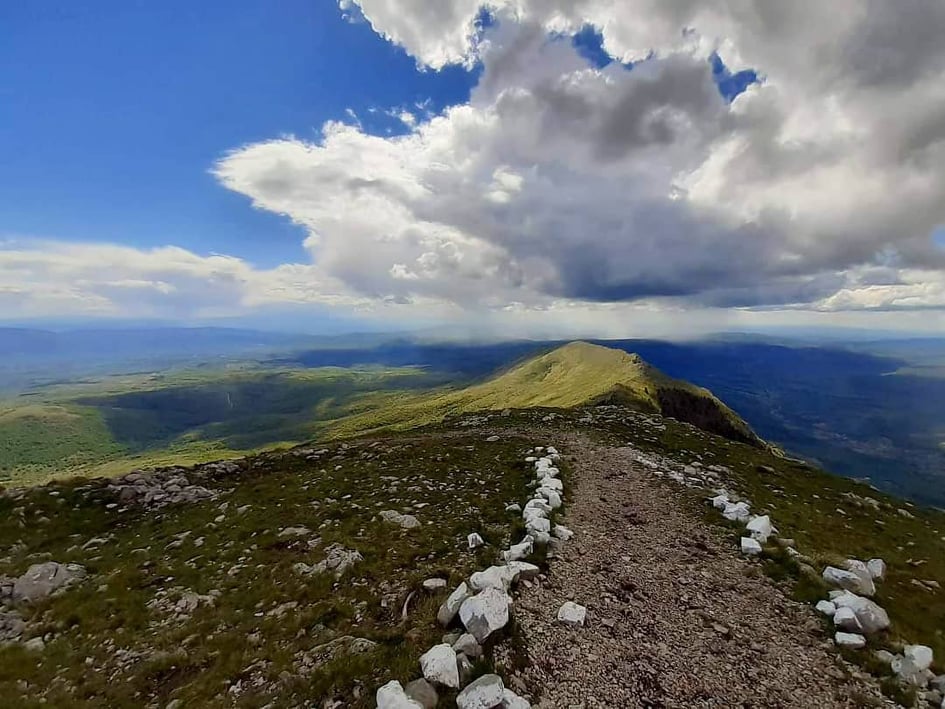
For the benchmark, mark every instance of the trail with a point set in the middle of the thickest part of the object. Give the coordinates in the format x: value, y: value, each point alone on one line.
x: 675, y: 617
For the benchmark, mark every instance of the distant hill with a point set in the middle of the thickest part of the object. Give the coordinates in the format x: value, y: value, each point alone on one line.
x: 576, y: 374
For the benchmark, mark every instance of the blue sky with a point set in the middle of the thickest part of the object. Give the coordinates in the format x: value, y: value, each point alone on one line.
x: 114, y: 111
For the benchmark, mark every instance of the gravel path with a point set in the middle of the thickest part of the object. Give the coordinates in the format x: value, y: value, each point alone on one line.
x: 673, y: 618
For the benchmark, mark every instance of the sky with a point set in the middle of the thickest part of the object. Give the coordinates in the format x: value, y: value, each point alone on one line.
x: 526, y: 167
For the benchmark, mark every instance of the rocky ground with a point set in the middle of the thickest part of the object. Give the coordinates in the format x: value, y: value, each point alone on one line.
x: 675, y: 617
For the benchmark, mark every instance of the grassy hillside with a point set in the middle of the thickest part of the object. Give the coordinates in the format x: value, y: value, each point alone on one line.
x: 576, y: 374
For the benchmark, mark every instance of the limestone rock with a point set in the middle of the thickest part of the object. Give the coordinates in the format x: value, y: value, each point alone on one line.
x: 500, y: 577
x: 919, y: 655
x: 871, y: 617
x: 439, y: 666
x: 760, y: 528
x: 877, y: 568
x: 487, y: 692
x: 519, y: 551
x: 737, y: 512
x: 846, y: 619
x: 337, y: 560
x: 852, y: 641
x: 826, y: 607
x: 34, y: 645
x: 468, y: 645
x: 423, y: 693
x: 392, y: 696
x: 572, y: 614
x: 750, y: 547
x: 41, y: 580
x: 405, y: 521
x: 523, y: 570
x: 849, y: 580
x: 434, y: 584
x: 452, y: 604
x: 562, y: 532
x: 510, y: 700
x: 485, y: 612
x: 475, y: 541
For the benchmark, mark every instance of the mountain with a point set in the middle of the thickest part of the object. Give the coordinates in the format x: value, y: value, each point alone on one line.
x: 576, y: 374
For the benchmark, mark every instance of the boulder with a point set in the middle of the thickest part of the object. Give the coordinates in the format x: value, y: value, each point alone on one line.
x: 439, y: 666
x: 452, y: 604
x: 500, y: 577
x: 849, y: 580
x: 34, y: 645
x: 519, y: 551
x: 392, y: 696
x: 919, y: 655
x: 487, y: 692
x: 552, y: 496
x: 871, y: 617
x: 846, y: 619
x: 737, y: 512
x: 826, y: 607
x: 523, y: 570
x: 405, y: 521
x: 41, y: 580
x: 337, y: 560
x: 562, y: 532
x: 877, y: 568
x: 852, y: 641
x: 475, y: 540
x: 514, y: 507
x: 485, y: 613
x: 510, y: 700
x: 11, y: 626
x: 433, y: 584
x: 719, y: 502
x: 468, y: 645
x: 572, y: 614
x: 760, y: 528
x: 750, y: 547
x: 423, y: 693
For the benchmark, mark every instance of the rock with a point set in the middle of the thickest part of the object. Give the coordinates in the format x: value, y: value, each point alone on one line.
x: 485, y: 613
x: 41, y: 580
x: 737, y: 512
x: 11, y: 626
x: 475, y: 541
x: 572, y: 614
x: 423, y: 693
x: 405, y: 521
x: 919, y: 655
x: 452, y: 604
x: 719, y: 502
x: 553, y: 497
x: 337, y: 560
x: 492, y: 439
x: 500, y: 577
x: 853, y: 581
x: 871, y: 617
x: 487, y: 692
x: 750, y: 547
x: 877, y: 568
x: 465, y: 667
x: 510, y: 700
x: 392, y: 696
x: 846, y: 619
x: 826, y: 607
x: 562, y: 532
x: 34, y: 645
x: 519, y: 551
x: 760, y: 528
x: 852, y: 641
x: 884, y: 656
x: 468, y: 645
x: 514, y: 507
x: 523, y: 570
x: 295, y: 532
x: 433, y: 584
x: 439, y: 666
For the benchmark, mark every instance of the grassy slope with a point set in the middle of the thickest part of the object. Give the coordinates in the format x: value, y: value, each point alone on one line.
x: 112, y: 425
x: 462, y: 484
x: 573, y: 375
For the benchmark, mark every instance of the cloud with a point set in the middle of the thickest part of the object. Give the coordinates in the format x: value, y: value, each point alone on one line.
x: 561, y: 181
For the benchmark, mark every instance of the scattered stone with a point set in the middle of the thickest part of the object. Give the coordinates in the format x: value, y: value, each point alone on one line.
x: 468, y: 645
x: 853, y: 581
x: 871, y: 617
x: 492, y: 439
x: 826, y: 607
x: 562, y: 532
x: 452, y: 604
x: 392, y: 696
x: 750, y: 547
x: 760, y: 528
x: 852, y: 641
x: 405, y: 521
x: 42, y: 580
x: 510, y: 700
x: 475, y: 540
x: 877, y: 568
x: 34, y: 645
x: 434, y: 584
x: 572, y: 614
x: 485, y: 613
x: 487, y: 692
x: 439, y: 666
x: 423, y: 693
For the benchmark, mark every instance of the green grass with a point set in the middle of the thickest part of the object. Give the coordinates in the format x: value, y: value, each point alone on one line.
x: 463, y: 483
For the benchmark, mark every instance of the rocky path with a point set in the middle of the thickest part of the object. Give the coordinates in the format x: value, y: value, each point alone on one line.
x: 675, y: 617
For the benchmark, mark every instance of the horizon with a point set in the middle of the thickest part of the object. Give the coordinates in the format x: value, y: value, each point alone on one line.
x: 500, y: 168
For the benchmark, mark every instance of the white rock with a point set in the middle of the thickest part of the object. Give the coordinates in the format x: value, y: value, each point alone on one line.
x: 572, y: 613
x: 514, y: 507
x: 877, y: 568
x: 434, y: 584
x: 485, y: 613
x: 919, y: 655
x: 439, y: 666
x: 392, y: 696
x: 523, y: 570
x: 551, y: 450
x: 34, y: 645
x: 475, y: 540
x: 41, y: 580
x: 452, y: 604
x: 562, y: 532
x: 538, y: 524
x: 871, y: 617
x: 468, y: 645
x: 510, y: 700
x: 553, y: 497
x: 737, y: 512
x: 500, y: 577
x: 853, y: 641
x: 487, y: 692
x: 553, y: 484
x: 849, y: 580
x: 519, y: 551
x: 760, y: 528
x: 750, y: 547
x: 845, y: 619
x: 405, y: 521
x: 719, y: 502
x: 536, y: 503
x: 826, y: 607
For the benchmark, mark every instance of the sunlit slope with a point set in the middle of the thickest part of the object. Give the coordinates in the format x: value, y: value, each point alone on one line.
x: 577, y: 374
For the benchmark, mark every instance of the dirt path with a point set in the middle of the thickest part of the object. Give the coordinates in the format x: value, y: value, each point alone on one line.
x: 673, y: 618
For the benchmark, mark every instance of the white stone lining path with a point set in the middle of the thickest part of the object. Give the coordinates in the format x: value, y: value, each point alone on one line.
x: 483, y: 605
